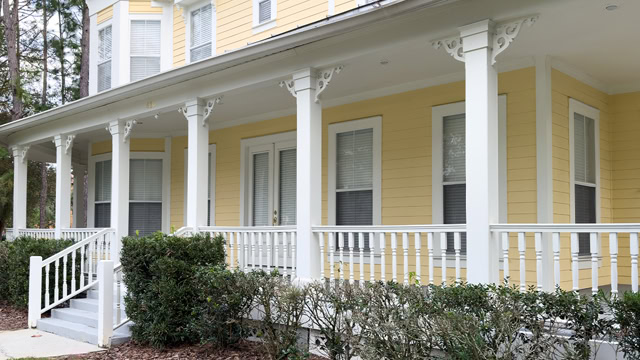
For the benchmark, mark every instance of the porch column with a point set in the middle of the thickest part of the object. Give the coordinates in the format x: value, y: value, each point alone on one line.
x: 19, y: 188
x: 120, y: 132
x: 197, y: 156
x: 79, y: 205
x: 309, y: 173
x: 63, y: 143
x: 481, y: 91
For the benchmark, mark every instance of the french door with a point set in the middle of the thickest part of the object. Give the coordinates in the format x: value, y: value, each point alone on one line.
x: 272, y: 198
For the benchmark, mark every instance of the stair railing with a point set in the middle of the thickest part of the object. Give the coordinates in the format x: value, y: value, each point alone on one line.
x: 77, y: 263
x: 110, y: 280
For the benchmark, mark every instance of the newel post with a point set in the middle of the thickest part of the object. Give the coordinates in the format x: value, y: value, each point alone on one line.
x: 35, y: 290
x: 105, y: 302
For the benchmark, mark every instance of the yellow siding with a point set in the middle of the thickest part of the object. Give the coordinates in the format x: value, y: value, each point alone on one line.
x: 178, y: 37
x: 137, y: 145
x: 344, y: 5
x: 143, y: 7
x: 105, y: 14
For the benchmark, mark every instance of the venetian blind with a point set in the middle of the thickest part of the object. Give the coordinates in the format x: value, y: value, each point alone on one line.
x: 145, y: 48
x: 585, y: 212
x: 287, y: 187
x: 145, y: 195
x: 584, y: 149
x: 102, y: 214
x: 104, y: 58
x: 455, y: 212
x: 264, y: 11
x: 454, y: 176
x: 201, y: 33
x: 261, y: 214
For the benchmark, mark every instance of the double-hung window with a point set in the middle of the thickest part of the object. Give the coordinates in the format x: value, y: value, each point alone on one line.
x: 264, y: 14
x: 145, y: 48
x: 354, y: 175
x: 102, y: 201
x: 201, y: 33
x: 585, y: 169
x: 104, y: 58
x: 145, y: 196
x: 454, y: 188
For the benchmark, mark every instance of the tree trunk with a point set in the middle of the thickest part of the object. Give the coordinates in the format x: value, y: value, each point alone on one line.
x: 61, y: 54
x: 45, y: 53
x: 10, y: 20
x: 84, y: 48
x: 43, y: 196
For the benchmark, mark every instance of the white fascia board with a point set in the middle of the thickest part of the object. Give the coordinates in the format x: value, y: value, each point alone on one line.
x: 283, y: 45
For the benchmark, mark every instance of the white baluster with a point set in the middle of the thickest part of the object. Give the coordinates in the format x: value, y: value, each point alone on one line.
x: 92, y: 247
x: 383, y: 259
x: 332, y: 253
x: 82, y: 269
x: 555, y: 239
x: 575, y: 271
x: 405, y: 256
x: 253, y: 250
x: 372, y: 246
x: 321, y: 239
x: 231, y: 262
x: 351, y: 244
x: 418, y: 266
x: 394, y: 259
x: 361, y: 249
x: 46, y: 286
x: 633, y: 249
x: 522, y: 247
x: 276, y: 251
x: 457, y: 246
x: 118, y: 296
x: 269, y: 254
x: 261, y: 250
x: 430, y: 255
x: 56, y: 293
x: 294, y: 267
x: 505, y: 255
x: 539, y: 269
x: 613, y: 251
x: 341, y: 253
x: 443, y: 256
x: 73, y: 271
x: 593, y: 245
x: 245, y: 255
x: 285, y: 240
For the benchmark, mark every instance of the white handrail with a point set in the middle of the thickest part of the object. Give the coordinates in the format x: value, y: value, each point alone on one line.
x: 76, y: 246
x: 580, y: 228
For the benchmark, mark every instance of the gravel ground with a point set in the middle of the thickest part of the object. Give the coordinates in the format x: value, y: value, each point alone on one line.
x: 12, y: 318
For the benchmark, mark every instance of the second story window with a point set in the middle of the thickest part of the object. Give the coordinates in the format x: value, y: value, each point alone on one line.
x: 145, y: 48
x: 264, y: 15
x: 264, y: 11
x: 104, y: 58
x: 201, y: 33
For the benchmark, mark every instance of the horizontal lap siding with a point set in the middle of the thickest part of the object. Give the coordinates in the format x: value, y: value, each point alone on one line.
x: 137, y: 145
x: 179, y: 35
x: 105, y: 14
x: 143, y: 7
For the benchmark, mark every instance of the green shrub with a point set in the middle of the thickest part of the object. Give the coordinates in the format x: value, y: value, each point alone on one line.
x: 226, y: 299
x: 159, y: 272
x: 15, y: 268
x: 626, y: 311
x: 331, y: 309
x: 280, y: 308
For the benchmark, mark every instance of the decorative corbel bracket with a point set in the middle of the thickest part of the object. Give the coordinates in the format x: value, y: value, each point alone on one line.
x: 21, y: 151
x: 324, y: 78
x: 505, y: 34
x: 69, y: 144
x: 209, y: 109
x: 289, y: 85
x: 128, y: 127
x: 452, y: 45
x: 183, y: 111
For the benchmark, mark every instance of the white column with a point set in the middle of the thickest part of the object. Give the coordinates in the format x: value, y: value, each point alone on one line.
x: 481, y: 91
x: 19, y: 188
x: 119, y: 182
x: 63, y: 144
x: 79, y: 205
x: 197, y: 156
x: 309, y: 174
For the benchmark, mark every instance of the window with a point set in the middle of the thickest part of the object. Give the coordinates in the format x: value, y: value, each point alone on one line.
x: 145, y: 196
x: 145, y: 48
x: 354, y: 174
x: 102, y: 194
x: 211, y: 188
x: 104, y: 58
x: 264, y: 11
x: 201, y: 33
x: 585, y: 169
x: 264, y: 14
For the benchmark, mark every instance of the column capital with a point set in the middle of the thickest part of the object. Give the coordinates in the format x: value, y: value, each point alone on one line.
x: 117, y: 127
x: 20, y: 151
x: 199, y: 106
x: 64, y: 140
x: 311, y: 79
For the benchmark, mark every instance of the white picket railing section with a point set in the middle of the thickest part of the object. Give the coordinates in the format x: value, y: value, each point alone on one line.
x: 595, y: 231
x: 79, y: 234
x: 38, y: 233
x: 344, y: 246
x: 257, y: 247
x: 120, y: 291
x: 8, y: 232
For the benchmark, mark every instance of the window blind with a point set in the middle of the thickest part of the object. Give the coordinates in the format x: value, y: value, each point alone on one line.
x: 453, y: 142
x: 584, y: 149
x: 102, y: 194
x: 585, y: 200
x: 261, y: 214
x: 104, y: 58
x: 287, y: 187
x: 455, y: 212
x: 145, y: 218
x: 145, y: 48
x: 201, y: 33
x: 145, y: 195
x: 264, y: 11
x: 102, y: 215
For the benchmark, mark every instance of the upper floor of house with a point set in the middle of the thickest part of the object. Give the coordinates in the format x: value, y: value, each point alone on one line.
x: 134, y: 39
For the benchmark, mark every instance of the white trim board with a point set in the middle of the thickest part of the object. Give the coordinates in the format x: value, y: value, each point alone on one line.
x: 212, y: 205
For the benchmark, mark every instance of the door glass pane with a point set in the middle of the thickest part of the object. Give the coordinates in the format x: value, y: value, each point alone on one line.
x: 287, y: 190
x: 261, y: 212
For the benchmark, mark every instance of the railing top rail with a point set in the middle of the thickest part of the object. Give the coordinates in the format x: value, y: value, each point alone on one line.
x: 117, y: 268
x: 564, y: 228
x: 392, y: 228
x: 182, y: 230
x: 36, y: 230
x: 75, y: 246
x: 247, y: 228
x: 81, y: 229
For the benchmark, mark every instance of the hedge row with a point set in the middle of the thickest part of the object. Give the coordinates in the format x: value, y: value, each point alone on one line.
x: 181, y: 292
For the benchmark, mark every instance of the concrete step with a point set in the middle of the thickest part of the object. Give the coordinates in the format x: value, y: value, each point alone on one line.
x: 90, y: 305
x: 94, y: 293
x: 80, y: 332
x: 78, y: 316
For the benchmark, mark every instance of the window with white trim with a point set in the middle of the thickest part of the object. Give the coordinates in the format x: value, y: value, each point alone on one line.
x: 585, y: 171
x: 264, y: 14
x: 102, y: 202
x: 264, y: 11
x: 145, y: 48
x: 104, y: 58
x: 145, y: 196
x: 355, y: 174
x: 201, y: 27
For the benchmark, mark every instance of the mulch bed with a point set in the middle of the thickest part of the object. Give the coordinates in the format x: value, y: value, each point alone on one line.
x: 12, y: 318
x: 244, y: 351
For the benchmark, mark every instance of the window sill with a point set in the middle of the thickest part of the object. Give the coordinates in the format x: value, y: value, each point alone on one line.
x: 258, y: 28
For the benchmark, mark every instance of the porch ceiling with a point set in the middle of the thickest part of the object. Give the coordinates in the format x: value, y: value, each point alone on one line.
x: 581, y: 35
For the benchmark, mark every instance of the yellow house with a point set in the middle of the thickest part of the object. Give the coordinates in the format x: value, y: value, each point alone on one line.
x: 431, y: 141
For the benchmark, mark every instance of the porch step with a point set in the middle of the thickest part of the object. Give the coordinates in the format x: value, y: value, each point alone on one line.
x: 79, y: 316
x: 80, y: 332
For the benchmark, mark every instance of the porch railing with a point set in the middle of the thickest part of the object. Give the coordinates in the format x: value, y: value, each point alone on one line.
x: 76, y: 234
x: 38, y: 233
x: 564, y: 238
